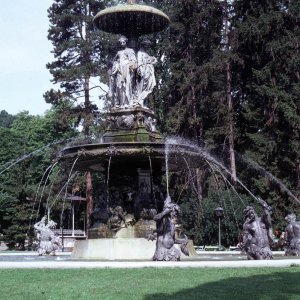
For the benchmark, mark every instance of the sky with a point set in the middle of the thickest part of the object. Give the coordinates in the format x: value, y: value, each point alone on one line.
x: 24, y: 50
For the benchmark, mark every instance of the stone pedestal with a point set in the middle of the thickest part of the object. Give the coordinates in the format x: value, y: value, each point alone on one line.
x: 120, y: 249
x: 114, y: 249
x: 99, y: 231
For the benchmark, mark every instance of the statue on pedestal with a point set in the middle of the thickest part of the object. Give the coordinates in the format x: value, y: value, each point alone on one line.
x: 145, y: 73
x: 122, y: 76
x: 292, y: 236
x: 256, y: 241
x: 48, y: 242
x: 166, y: 238
x: 131, y: 77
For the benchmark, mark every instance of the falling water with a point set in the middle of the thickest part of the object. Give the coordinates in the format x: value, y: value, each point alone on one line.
x: 220, y: 167
x: 167, y: 150
x: 66, y: 190
x: 190, y: 175
x: 228, y: 182
x: 272, y: 178
x: 64, y: 186
x: 152, y: 182
x: 45, y: 182
x: 57, y: 196
x: 49, y: 194
x: 36, y: 194
x: 11, y: 163
x: 40, y: 183
x: 107, y: 183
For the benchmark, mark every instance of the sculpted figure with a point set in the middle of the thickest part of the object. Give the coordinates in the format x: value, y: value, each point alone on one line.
x: 117, y: 219
x: 48, y: 242
x: 145, y: 73
x: 165, y: 229
x: 128, y: 121
x: 292, y: 235
x: 150, y: 124
x: 122, y: 76
x: 255, y: 236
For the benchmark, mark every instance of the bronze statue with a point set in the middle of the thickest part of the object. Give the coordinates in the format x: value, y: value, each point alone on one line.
x: 166, y: 238
x: 292, y: 235
x: 256, y: 241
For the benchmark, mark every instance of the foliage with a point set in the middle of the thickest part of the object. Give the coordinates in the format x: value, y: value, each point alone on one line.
x: 200, y: 223
x: 262, y: 48
x: 27, y: 150
x: 255, y: 43
x: 79, y: 57
x: 6, y: 119
x: 265, y: 37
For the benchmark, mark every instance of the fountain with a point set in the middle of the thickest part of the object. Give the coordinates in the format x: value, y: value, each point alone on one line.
x: 131, y: 154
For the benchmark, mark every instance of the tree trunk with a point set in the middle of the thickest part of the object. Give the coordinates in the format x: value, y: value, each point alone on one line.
x: 89, y: 199
x: 298, y: 177
x: 229, y: 98
x: 230, y: 125
x: 86, y: 125
x: 88, y: 176
x: 200, y: 185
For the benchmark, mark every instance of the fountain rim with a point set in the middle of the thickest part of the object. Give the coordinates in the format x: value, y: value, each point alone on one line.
x: 126, y: 8
x: 90, y: 156
x: 135, y: 144
x: 130, y: 8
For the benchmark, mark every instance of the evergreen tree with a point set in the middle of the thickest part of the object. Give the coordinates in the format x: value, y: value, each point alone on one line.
x: 188, y: 84
x: 266, y: 39
x: 6, y: 119
x: 79, y: 56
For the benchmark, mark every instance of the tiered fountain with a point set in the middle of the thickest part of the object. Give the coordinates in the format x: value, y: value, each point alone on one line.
x: 132, y: 153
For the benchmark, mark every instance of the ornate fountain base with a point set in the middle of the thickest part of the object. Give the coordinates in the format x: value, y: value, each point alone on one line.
x: 114, y: 249
x: 135, y: 124
x: 119, y: 249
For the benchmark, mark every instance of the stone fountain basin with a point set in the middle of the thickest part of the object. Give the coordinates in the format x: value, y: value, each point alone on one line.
x: 131, y: 20
x: 97, y: 156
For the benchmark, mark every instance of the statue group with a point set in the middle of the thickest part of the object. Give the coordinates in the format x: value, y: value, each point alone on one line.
x: 48, y: 242
x: 131, y: 77
x: 166, y: 234
x: 258, y: 238
x: 257, y: 233
x: 292, y: 236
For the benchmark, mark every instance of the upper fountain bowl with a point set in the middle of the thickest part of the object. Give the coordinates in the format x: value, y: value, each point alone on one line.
x: 131, y: 20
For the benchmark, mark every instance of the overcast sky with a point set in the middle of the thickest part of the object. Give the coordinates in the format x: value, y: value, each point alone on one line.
x: 25, y: 51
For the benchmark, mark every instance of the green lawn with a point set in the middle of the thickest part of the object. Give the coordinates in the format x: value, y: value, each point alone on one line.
x: 150, y: 283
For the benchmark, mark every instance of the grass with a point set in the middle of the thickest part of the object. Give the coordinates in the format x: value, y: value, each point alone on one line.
x: 150, y: 283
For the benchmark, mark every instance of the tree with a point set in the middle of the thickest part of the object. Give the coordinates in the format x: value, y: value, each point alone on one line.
x: 27, y: 149
x: 79, y: 56
x: 266, y: 39
x: 243, y: 66
x: 6, y: 119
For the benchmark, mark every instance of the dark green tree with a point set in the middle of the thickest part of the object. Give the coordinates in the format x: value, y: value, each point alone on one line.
x: 186, y: 91
x: 79, y: 56
x: 266, y: 38
x: 6, y: 119
x: 27, y: 149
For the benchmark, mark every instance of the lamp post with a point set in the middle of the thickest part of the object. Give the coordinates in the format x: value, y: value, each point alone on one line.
x: 219, y: 212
